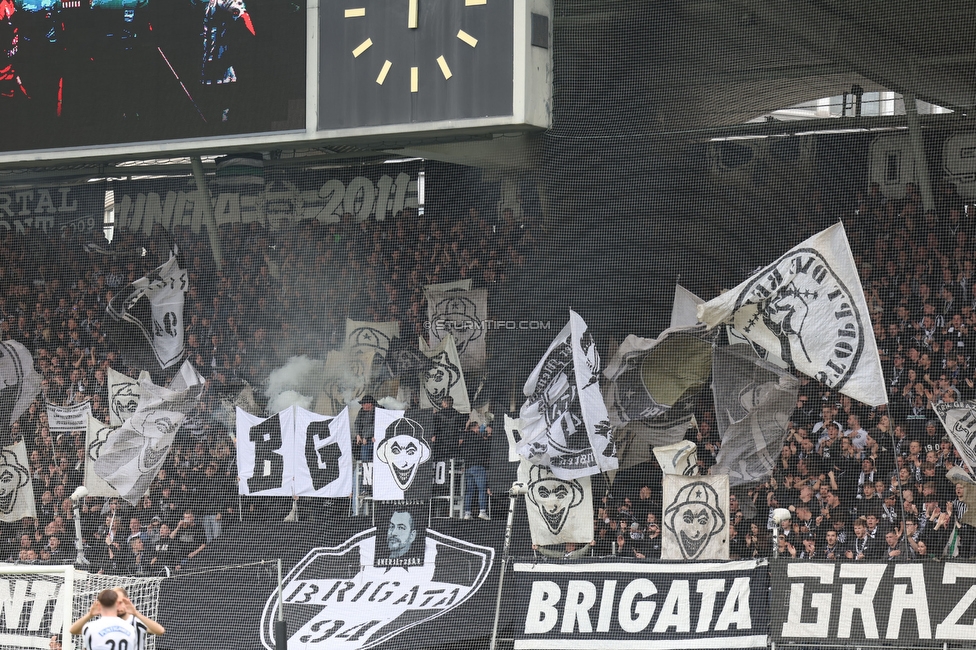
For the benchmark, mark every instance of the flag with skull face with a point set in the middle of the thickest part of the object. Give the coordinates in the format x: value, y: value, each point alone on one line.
x: 560, y: 511
x: 696, y: 516
x: 16, y: 488
x: 402, y: 467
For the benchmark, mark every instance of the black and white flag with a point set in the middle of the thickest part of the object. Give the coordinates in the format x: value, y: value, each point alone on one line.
x: 123, y: 395
x: 564, y: 419
x: 754, y: 401
x: 294, y: 453
x: 146, y: 318
x: 650, y: 377
x: 97, y: 435
x: 959, y: 421
x: 68, y: 418
x: 679, y: 458
x: 369, y: 341
x: 443, y: 377
x: 19, y: 382
x: 808, y: 308
x: 402, y: 466
x: 16, y: 487
x: 684, y: 309
x: 559, y: 510
x: 695, y: 521
x: 134, y: 453
x: 464, y: 315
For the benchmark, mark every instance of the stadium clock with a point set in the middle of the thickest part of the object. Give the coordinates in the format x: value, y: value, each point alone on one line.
x: 387, y: 62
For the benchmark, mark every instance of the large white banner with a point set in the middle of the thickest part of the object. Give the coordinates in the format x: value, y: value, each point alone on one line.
x: 559, y: 510
x: 808, y: 308
x: 564, y: 419
x: 68, y: 418
x: 123, y: 395
x: 16, y: 487
x: 97, y: 435
x: 402, y: 466
x: 695, y: 521
x: 294, y: 453
x: 19, y: 382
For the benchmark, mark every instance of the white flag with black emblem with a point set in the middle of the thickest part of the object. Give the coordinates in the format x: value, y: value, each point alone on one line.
x: 402, y: 468
x: 959, y: 421
x: 123, y: 396
x: 559, y: 510
x: 16, y: 487
x: 369, y: 340
x: 696, y: 518
x: 19, y: 382
x: 134, y: 453
x: 754, y: 402
x: 808, y: 308
x: 443, y: 377
x: 68, y: 418
x: 97, y: 435
x: 565, y: 423
x: 146, y: 318
x: 462, y: 314
x: 678, y: 458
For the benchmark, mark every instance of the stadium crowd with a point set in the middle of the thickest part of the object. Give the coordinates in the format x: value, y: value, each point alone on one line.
x: 277, y: 294
x: 861, y: 483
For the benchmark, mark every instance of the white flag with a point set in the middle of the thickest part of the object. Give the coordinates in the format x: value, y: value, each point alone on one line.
x: 68, y: 418
x: 678, y: 458
x: 16, y: 487
x: 402, y: 466
x: 684, y: 309
x: 696, y: 518
x: 294, y: 453
x: 369, y: 339
x: 146, y: 318
x: 513, y: 433
x: 443, y: 377
x: 959, y: 421
x: 808, y: 308
x: 457, y: 285
x: 462, y: 314
x: 134, y: 453
x: 559, y: 510
x: 19, y: 382
x: 123, y: 396
x: 565, y: 423
x: 97, y: 436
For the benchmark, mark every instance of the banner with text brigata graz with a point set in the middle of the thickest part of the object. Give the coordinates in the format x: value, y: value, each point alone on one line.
x: 899, y: 604
x: 617, y: 604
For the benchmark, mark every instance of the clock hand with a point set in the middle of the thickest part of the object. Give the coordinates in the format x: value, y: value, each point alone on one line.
x: 413, y: 14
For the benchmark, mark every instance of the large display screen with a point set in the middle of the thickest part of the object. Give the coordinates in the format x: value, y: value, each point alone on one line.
x: 95, y: 72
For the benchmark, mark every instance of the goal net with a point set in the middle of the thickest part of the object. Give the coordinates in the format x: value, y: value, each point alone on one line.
x: 38, y: 602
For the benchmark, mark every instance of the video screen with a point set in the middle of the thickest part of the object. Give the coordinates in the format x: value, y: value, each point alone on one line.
x: 90, y: 72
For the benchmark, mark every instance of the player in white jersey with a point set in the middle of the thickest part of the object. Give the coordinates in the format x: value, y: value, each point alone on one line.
x: 108, y: 632
x: 142, y: 623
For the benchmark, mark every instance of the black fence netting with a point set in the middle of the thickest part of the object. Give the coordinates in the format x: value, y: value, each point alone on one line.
x: 647, y: 383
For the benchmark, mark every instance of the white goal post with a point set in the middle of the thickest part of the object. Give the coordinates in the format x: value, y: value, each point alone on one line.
x: 37, y: 602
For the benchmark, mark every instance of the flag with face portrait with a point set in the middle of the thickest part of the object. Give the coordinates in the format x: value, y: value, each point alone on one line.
x: 462, y: 314
x: 96, y: 435
x: 695, y: 519
x: 145, y: 319
x: 564, y: 419
x: 135, y: 452
x: 402, y: 465
x: 754, y: 402
x: 123, y: 396
x: 19, y: 382
x: 559, y: 510
x: 443, y: 377
x: 370, y: 341
x: 16, y: 486
x: 808, y: 308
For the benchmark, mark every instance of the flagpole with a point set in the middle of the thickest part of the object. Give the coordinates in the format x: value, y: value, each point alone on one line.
x: 513, y: 494
x: 901, y: 492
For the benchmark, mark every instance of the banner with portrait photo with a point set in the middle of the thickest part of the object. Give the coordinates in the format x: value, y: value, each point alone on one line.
x: 559, y: 510
x: 695, y: 520
x: 402, y: 465
x: 401, y: 530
